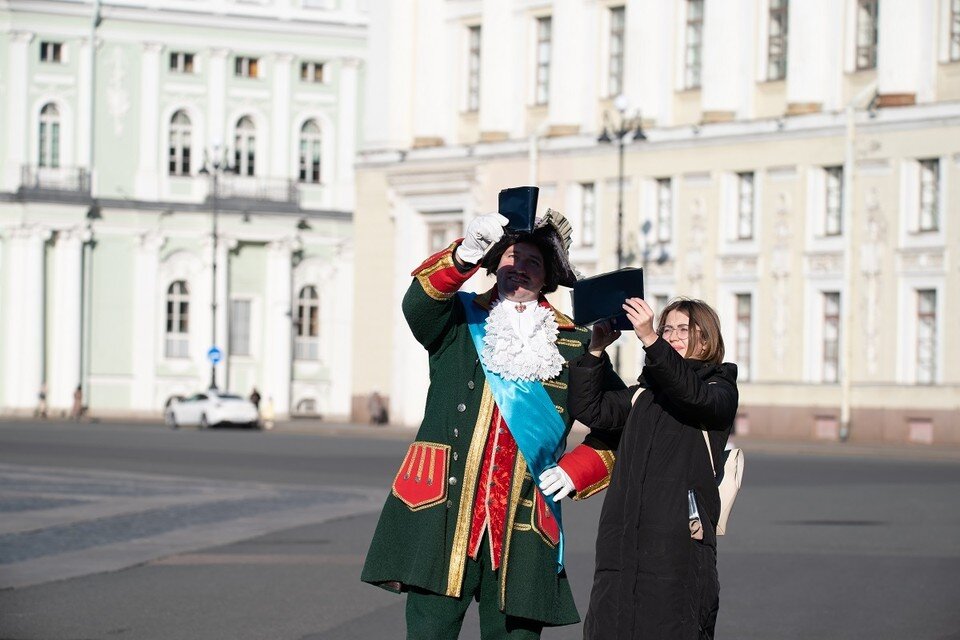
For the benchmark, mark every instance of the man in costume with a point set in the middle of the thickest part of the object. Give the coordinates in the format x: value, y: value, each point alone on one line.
x: 465, y: 519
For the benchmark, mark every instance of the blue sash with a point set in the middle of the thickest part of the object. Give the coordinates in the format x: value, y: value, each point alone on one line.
x: 528, y: 411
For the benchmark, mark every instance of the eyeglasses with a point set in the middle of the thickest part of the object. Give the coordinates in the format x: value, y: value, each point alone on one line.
x: 682, y: 332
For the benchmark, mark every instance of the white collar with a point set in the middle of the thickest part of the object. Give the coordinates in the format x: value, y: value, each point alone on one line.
x: 520, y: 345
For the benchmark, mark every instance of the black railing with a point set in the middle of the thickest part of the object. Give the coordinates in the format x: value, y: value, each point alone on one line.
x: 62, y: 180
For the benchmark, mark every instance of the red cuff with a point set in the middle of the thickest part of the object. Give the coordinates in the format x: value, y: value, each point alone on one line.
x: 439, y: 275
x: 589, y: 469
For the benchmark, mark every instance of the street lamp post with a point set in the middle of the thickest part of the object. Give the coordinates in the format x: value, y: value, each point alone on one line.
x: 618, y: 131
x: 214, y: 169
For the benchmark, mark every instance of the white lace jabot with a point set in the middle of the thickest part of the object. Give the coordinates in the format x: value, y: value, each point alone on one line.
x: 520, y: 345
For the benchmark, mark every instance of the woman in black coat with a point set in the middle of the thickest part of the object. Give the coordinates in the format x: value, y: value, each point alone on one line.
x: 653, y: 579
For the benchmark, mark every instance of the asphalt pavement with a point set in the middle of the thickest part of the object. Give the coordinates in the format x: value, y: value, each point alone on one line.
x: 135, y: 531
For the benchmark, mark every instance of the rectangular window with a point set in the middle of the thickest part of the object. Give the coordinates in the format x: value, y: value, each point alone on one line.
x: 831, y: 336
x: 867, y: 34
x: 664, y: 209
x: 744, y: 324
x: 617, y: 38
x: 955, y: 30
x: 49, y: 143
x: 441, y: 235
x: 473, y: 70
x: 240, y: 327
x: 51, y: 52
x: 833, y: 211
x: 311, y: 72
x: 544, y: 44
x: 588, y: 205
x: 181, y: 62
x: 777, y: 40
x: 245, y: 67
x: 693, y: 45
x: 929, y: 219
x: 926, y: 336
x: 745, y: 199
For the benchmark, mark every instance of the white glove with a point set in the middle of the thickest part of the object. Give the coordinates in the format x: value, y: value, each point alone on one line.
x: 481, y: 233
x: 556, y: 482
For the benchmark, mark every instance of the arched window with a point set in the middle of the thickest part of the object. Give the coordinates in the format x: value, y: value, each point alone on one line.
x: 49, y: 136
x: 180, y: 130
x: 245, y: 147
x: 177, y: 344
x: 308, y: 324
x: 310, y: 152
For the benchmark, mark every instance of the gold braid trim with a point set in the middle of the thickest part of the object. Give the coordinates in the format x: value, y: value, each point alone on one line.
x: 608, y: 458
x: 461, y: 536
x: 423, y: 276
x: 519, y: 474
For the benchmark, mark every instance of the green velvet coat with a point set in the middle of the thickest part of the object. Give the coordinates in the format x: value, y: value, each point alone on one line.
x: 425, y: 545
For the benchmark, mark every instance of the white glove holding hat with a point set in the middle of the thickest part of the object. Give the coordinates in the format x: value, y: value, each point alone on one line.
x: 482, y: 232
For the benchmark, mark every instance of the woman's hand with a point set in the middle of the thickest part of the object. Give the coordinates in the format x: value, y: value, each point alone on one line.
x: 603, y: 336
x: 641, y: 317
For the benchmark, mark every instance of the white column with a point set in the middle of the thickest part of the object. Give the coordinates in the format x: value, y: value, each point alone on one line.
x: 727, y: 73
x: 65, y: 316
x: 648, y: 78
x: 148, y: 321
x: 389, y: 76
x: 347, y: 95
x: 216, y: 97
x: 430, y: 60
x: 277, y: 326
x: 500, y: 63
x: 906, y: 49
x: 340, y: 334
x: 280, y: 134
x: 85, y: 87
x: 814, y: 61
x: 16, y: 99
x: 151, y: 129
x: 564, y: 111
x: 24, y: 331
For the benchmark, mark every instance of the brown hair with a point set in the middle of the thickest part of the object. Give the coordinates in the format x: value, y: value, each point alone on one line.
x: 704, y: 327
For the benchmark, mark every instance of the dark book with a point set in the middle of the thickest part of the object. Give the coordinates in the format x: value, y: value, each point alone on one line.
x: 519, y: 205
x: 601, y: 297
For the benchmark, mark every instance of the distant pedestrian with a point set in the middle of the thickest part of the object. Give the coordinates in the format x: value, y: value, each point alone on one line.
x: 76, y: 412
x: 255, y: 398
x: 41, y: 411
x: 377, y: 409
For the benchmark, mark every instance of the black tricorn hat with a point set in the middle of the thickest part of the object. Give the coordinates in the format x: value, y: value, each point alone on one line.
x: 551, y: 234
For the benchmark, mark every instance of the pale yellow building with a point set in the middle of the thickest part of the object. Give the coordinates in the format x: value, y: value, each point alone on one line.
x: 800, y: 171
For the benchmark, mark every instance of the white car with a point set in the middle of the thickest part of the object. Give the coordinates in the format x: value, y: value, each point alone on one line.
x: 211, y: 408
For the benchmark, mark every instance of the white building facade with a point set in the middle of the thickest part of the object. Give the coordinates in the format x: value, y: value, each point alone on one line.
x: 799, y: 169
x: 187, y: 183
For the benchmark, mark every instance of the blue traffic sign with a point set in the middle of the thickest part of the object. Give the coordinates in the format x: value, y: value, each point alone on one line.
x: 214, y: 355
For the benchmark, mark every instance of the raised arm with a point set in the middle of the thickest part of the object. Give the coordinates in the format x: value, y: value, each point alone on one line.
x: 429, y: 305
x: 711, y: 401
